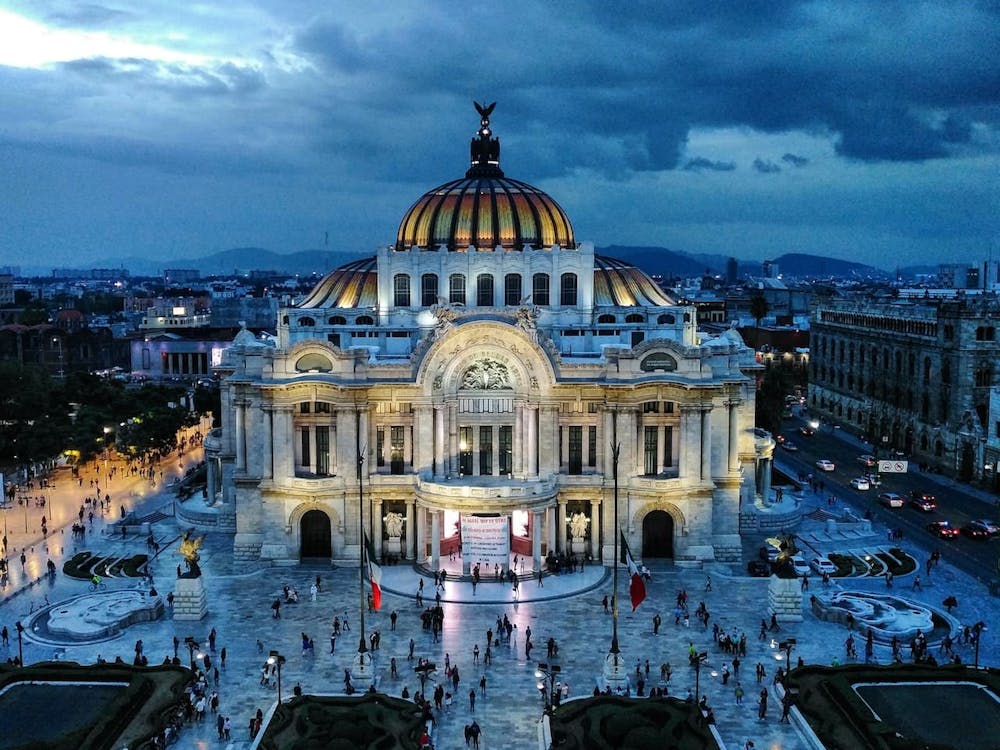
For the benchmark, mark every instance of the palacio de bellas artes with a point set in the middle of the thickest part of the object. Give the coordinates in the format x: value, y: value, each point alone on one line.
x: 486, y: 379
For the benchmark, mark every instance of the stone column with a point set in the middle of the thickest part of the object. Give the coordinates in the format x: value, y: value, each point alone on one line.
x: 520, y: 449
x: 550, y: 527
x: 548, y: 433
x: 440, y: 436
x: 452, y: 458
x: 241, y: 437
x: 267, y: 449
x: 532, y: 417
x: 688, y: 466
x: 435, y: 539
x: 409, y: 549
x: 286, y: 441
x: 733, y: 463
x: 561, y: 523
x: 765, y: 482
x: 420, y: 537
x: 706, y: 443
x: 377, y: 526
x: 595, y: 529
x: 210, y: 481
x: 536, y: 540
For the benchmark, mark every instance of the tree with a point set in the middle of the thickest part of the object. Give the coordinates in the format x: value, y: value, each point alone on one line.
x: 758, y: 310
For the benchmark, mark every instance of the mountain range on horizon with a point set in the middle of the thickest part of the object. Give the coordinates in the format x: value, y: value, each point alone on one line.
x: 654, y: 260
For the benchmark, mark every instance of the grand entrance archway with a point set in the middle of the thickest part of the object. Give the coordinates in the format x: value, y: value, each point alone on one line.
x: 314, y: 529
x: 657, y: 535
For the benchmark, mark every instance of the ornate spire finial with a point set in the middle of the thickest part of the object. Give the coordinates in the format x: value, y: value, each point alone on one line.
x: 485, y: 148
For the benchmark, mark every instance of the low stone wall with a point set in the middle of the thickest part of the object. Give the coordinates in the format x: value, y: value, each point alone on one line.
x: 784, y: 598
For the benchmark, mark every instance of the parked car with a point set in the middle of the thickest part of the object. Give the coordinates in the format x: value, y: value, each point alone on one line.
x: 976, y: 530
x: 825, y: 465
x: 890, y: 499
x: 943, y: 529
x: 823, y: 565
x: 759, y: 568
x: 789, y: 446
x: 861, y: 483
x: 800, y: 566
x: 866, y: 459
x: 924, y: 503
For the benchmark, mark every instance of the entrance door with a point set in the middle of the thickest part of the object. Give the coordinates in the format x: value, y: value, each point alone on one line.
x: 657, y: 535
x: 968, y: 461
x: 314, y: 529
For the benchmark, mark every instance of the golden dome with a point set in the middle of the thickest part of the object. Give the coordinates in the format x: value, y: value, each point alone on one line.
x: 484, y: 209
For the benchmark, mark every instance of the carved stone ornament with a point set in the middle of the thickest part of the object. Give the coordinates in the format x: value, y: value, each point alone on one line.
x: 487, y: 375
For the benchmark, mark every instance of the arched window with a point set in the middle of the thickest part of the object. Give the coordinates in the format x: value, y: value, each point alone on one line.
x: 666, y: 319
x: 364, y: 320
x: 606, y: 319
x: 307, y: 321
x: 428, y: 289
x: 899, y: 362
x: 456, y: 289
x: 337, y: 320
x: 938, y: 448
x: 945, y: 372
x: 911, y: 364
x: 687, y: 317
x: 512, y: 294
x: 634, y: 318
x: 923, y: 442
x: 927, y: 369
x: 284, y: 320
x: 401, y: 290
x: 484, y: 290
x: 567, y: 289
x: 540, y: 289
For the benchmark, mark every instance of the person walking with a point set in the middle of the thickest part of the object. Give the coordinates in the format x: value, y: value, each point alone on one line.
x: 472, y: 700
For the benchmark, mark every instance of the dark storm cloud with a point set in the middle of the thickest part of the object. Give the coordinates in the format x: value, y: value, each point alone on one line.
x: 795, y: 160
x: 765, y: 166
x: 700, y: 162
x: 175, y: 78
x: 892, y: 81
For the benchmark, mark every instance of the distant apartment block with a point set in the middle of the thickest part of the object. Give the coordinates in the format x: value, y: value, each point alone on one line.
x: 181, y: 275
x: 6, y: 289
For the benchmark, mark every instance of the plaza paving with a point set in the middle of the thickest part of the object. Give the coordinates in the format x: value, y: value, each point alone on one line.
x: 567, y: 607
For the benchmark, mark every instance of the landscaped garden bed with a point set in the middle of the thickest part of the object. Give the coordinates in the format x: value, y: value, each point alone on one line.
x: 84, y: 565
x: 373, y: 720
x: 100, y: 706
x: 885, y: 707
x: 617, y: 723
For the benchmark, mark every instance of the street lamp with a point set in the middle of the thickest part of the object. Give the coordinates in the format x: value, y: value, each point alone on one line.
x: 697, y: 661
x: 20, y: 645
x: 977, y: 632
x: 107, y: 431
x: 424, y: 670
x: 58, y: 342
x: 192, y: 645
x: 276, y: 658
x: 786, y: 646
x: 543, y: 673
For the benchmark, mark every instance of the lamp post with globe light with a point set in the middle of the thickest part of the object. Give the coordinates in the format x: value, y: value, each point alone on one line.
x: 547, y: 672
x: 277, y: 659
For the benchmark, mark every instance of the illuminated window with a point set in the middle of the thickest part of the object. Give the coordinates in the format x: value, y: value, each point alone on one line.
x: 428, y: 289
x: 401, y: 290
x: 540, y: 289
x: 567, y: 289
x: 456, y: 289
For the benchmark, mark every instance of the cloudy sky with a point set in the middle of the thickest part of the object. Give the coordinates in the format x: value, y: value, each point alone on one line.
x: 158, y: 128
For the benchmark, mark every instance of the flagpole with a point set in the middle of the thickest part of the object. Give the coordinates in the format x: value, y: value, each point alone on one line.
x: 363, y: 661
x: 614, y: 672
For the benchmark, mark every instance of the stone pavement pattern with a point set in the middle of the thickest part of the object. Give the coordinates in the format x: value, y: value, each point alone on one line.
x: 567, y: 608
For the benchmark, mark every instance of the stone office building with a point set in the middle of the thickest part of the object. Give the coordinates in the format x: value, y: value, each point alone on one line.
x: 913, y: 376
x: 482, y: 366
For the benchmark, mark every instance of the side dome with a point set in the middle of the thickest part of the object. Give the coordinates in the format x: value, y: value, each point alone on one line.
x: 485, y: 209
x: 351, y: 286
x: 620, y: 284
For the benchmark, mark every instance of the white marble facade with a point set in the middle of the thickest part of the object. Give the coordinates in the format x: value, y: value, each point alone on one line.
x: 490, y: 381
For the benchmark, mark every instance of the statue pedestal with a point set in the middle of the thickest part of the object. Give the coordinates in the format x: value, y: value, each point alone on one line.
x: 190, y: 599
x: 784, y: 598
x: 577, y: 545
x: 393, y: 546
x: 615, y: 673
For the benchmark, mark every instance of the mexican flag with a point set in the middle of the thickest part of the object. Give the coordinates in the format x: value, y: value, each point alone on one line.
x: 636, y: 587
x: 374, y: 573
